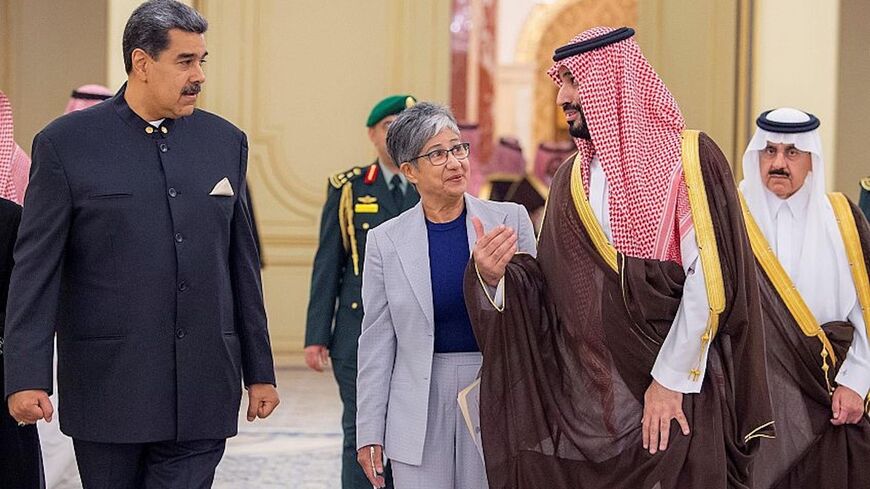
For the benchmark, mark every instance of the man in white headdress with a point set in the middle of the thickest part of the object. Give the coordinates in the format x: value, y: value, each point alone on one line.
x: 812, y: 249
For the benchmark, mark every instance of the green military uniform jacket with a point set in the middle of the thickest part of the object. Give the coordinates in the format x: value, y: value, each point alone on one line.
x: 357, y: 200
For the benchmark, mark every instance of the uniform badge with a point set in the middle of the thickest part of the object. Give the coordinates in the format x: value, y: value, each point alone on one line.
x: 366, y: 208
x: 371, y: 174
x: 367, y: 204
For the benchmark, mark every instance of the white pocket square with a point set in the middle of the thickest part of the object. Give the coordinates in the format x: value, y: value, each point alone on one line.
x: 223, y: 189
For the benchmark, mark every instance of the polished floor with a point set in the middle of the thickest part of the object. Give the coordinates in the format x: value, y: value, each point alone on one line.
x: 298, y: 446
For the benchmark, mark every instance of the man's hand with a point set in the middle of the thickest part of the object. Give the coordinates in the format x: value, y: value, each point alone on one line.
x: 30, y: 406
x: 316, y: 357
x: 847, y: 406
x: 262, y: 400
x: 660, y: 406
x: 371, y: 459
x: 493, y: 251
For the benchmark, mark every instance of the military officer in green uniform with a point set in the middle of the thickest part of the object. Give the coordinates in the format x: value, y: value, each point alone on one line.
x: 864, y: 202
x: 357, y: 200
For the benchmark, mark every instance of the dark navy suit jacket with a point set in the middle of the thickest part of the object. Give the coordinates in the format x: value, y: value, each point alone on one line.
x: 151, y: 283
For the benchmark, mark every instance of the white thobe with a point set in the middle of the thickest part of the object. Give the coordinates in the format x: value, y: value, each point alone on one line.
x: 681, y: 352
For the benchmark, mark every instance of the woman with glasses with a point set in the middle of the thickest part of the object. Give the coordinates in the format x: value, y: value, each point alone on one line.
x: 417, y: 350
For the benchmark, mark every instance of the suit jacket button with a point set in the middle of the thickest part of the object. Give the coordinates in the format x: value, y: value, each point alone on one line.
x: 178, y: 237
x: 354, y: 305
x: 179, y: 333
x: 163, y: 147
x: 182, y: 286
x: 173, y: 192
x: 365, y: 225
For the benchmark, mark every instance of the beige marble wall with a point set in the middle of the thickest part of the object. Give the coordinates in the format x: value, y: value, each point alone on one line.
x: 300, y: 79
x: 693, y: 47
x: 46, y: 50
x: 853, y: 98
x: 795, y: 59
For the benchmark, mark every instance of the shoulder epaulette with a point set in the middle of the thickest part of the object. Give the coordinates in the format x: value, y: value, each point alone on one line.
x: 339, y: 179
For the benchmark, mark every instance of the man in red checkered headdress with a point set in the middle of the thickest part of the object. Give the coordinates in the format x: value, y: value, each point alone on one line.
x: 14, y: 162
x: 629, y: 354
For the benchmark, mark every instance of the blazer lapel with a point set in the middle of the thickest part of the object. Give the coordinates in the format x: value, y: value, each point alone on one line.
x: 412, y: 245
x: 490, y: 216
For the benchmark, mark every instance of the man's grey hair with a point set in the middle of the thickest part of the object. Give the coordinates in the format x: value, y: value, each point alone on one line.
x: 149, y: 25
x: 414, y: 127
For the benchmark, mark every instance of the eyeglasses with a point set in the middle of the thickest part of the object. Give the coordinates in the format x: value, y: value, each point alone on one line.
x: 439, y: 157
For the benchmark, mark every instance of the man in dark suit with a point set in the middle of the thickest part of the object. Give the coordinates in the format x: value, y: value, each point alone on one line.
x: 357, y: 200
x: 135, y: 247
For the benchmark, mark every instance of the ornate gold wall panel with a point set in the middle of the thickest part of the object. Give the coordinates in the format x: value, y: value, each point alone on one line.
x: 550, y: 27
x: 693, y: 46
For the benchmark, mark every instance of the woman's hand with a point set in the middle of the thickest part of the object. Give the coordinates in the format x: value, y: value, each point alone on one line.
x: 493, y: 251
x: 371, y: 459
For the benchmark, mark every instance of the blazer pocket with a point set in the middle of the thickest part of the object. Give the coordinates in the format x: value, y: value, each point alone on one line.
x: 110, y: 195
x: 107, y: 337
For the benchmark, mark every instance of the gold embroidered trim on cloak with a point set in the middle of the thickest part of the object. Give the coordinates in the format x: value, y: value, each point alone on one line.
x: 486, y: 286
x: 852, y: 242
x: 786, y: 290
x: 587, y: 216
x: 705, y: 237
x: 756, y: 433
x: 855, y: 254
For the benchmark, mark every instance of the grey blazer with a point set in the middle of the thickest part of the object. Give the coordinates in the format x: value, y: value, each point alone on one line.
x: 396, y: 344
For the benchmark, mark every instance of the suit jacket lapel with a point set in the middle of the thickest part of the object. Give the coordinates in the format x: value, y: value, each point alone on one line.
x: 489, y: 216
x: 411, y: 240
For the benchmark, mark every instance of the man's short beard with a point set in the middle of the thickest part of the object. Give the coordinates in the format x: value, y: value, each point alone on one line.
x: 581, y: 132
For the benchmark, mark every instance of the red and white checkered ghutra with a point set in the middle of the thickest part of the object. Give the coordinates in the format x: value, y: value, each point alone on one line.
x: 636, y: 129
x: 14, y: 162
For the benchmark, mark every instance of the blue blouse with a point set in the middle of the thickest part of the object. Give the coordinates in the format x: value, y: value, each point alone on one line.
x: 448, y: 257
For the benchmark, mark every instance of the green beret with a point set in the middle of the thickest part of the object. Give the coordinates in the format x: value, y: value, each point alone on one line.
x: 390, y: 106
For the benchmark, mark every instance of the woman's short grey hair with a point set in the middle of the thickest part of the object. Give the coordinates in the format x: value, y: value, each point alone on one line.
x: 149, y: 25
x: 414, y: 127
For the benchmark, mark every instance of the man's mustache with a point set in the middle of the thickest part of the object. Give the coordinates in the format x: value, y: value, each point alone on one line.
x: 192, y: 89
x: 569, y: 106
x: 779, y: 171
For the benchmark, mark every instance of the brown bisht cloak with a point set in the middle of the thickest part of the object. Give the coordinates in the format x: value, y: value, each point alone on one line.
x: 567, y: 363
x: 808, y: 450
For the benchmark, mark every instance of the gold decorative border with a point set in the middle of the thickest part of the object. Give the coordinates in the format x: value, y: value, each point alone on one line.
x: 485, y: 287
x: 852, y: 242
x: 786, y: 289
x: 756, y: 433
x: 705, y: 236
x: 703, y: 221
x: 587, y: 216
